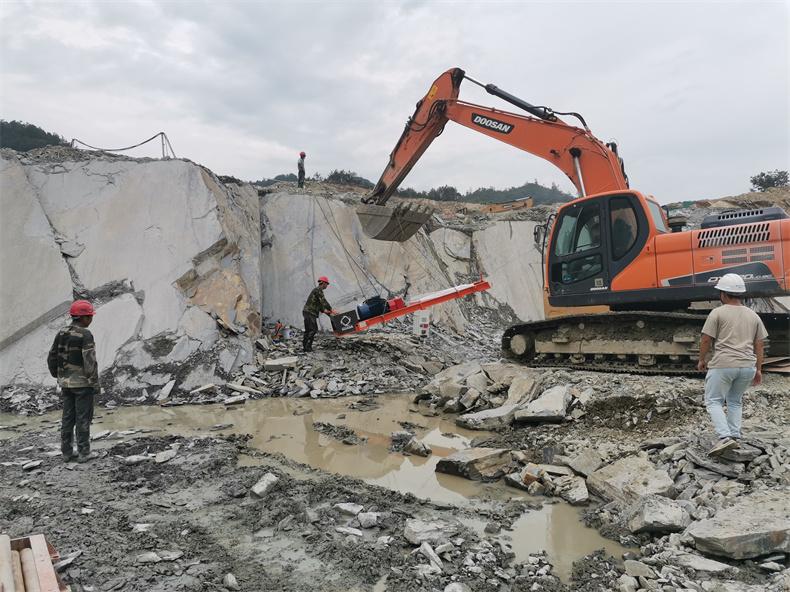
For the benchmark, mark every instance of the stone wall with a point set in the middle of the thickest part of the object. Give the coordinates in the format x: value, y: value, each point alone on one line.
x: 162, y: 248
x: 310, y: 235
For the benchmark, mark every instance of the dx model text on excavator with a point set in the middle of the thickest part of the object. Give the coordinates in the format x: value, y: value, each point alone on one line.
x: 618, y: 280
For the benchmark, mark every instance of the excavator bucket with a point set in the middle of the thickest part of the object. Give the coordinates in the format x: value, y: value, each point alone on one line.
x: 397, y: 223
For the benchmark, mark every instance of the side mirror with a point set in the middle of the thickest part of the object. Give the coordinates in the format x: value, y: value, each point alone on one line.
x: 538, y: 233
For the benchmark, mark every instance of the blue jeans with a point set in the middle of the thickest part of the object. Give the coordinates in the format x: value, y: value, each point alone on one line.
x: 726, y: 385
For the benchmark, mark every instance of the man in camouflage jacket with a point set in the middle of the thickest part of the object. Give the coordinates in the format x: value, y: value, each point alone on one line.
x: 315, y: 305
x: 72, y: 360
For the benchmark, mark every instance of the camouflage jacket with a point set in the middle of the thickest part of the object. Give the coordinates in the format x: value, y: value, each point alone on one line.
x: 316, y: 303
x: 72, y: 358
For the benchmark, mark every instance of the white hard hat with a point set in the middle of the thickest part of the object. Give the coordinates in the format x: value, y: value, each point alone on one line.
x: 732, y: 283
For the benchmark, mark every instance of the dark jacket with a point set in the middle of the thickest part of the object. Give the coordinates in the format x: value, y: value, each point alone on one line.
x: 316, y: 303
x: 72, y: 358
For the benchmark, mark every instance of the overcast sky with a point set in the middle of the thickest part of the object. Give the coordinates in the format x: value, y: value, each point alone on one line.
x: 697, y: 94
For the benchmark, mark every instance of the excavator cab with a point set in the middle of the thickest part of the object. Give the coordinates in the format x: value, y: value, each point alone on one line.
x: 593, y: 240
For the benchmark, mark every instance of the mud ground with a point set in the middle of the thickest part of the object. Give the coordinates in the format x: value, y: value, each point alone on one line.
x: 195, y: 512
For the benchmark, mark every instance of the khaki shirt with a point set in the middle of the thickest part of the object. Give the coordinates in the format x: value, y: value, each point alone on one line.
x: 735, y: 329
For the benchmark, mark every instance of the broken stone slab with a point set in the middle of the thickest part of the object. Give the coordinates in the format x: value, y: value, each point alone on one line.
x: 756, y: 525
x: 505, y: 372
x: 478, y: 381
x: 135, y: 459
x: 230, y: 582
x: 235, y: 400
x: 488, y: 419
x: 478, y: 464
x: 586, y: 462
x: 744, y: 453
x: 279, y: 364
x: 550, y: 406
x: 416, y: 447
x: 572, y: 489
x: 166, y: 455
x: 521, y: 389
x: 728, y: 469
x: 428, y: 552
x: 148, y: 557
x: 655, y: 513
x: 349, y: 530
x: 33, y: 464
x: 165, y: 391
x: 529, y: 474
x: 349, y: 508
x: 240, y: 388
x: 557, y: 470
x: 368, y: 519
x: 469, y: 398
x: 698, y: 563
x: 435, y: 532
x: 628, y: 479
x: 637, y: 569
x: 456, y: 587
x: 264, y: 485
x: 203, y: 388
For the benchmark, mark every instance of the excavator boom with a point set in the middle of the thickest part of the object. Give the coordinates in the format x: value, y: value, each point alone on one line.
x: 592, y: 166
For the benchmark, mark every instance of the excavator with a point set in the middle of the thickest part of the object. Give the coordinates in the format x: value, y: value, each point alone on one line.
x: 623, y: 283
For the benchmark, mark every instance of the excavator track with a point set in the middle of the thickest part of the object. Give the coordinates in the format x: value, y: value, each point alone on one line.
x: 628, y: 342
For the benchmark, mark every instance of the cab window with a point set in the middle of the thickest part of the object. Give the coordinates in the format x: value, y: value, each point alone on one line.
x: 624, y: 226
x: 658, y: 216
x: 579, y: 231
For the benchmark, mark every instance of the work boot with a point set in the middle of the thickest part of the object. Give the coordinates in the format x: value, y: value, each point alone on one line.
x: 68, y: 457
x: 722, y: 445
x: 85, y: 457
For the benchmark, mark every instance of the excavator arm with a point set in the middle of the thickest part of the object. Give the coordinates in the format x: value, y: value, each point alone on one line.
x: 592, y: 167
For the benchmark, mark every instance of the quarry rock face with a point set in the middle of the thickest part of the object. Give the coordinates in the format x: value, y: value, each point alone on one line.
x: 507, y: 257
x: 309, y: 236
x: 162, y: 249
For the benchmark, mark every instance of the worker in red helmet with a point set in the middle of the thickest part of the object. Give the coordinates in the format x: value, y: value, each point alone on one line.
x: 72, y: 360
x: 315, y: 305
x: 300, y: 169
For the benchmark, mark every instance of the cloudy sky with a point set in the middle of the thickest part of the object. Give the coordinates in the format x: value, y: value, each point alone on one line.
x: 695, y: 93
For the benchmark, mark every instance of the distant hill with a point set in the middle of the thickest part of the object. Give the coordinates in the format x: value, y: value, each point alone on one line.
x: 21, y: 136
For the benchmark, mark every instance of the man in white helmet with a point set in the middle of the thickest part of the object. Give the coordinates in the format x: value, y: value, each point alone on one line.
x: 736, y: 334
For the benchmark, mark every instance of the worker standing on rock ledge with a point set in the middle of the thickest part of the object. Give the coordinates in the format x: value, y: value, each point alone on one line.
x: 737, y: 334
x: 72, y: 360
x: 315, y: 305
x: 300, y: 169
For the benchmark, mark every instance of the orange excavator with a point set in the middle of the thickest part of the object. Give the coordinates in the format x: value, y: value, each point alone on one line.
x: 618, y: 279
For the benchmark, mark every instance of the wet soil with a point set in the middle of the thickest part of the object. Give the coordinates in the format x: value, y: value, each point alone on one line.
x: 203, y: 492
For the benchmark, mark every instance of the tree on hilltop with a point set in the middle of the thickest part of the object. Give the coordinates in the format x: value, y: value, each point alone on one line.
x: 21, y: 136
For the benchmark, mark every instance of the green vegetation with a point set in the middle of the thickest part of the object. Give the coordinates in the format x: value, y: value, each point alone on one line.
x: 22, y: 137
x: 540, y: 193
x: 769, y: 179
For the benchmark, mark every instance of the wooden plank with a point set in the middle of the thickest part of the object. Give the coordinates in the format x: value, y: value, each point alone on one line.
x: 19, y: 580
x: 29, y: 571
x: 6, y: 564
x: 46, y: 571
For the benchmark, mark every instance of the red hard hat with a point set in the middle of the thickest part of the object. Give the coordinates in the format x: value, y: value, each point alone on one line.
x: 81, y: 308
x: 302, y: 154
x: 324, y: 279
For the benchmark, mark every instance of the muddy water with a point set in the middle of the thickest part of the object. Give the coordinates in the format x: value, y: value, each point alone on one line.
x: 286, y: 426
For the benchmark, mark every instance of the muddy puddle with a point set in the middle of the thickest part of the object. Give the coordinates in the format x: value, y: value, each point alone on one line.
x: 286, y: 426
